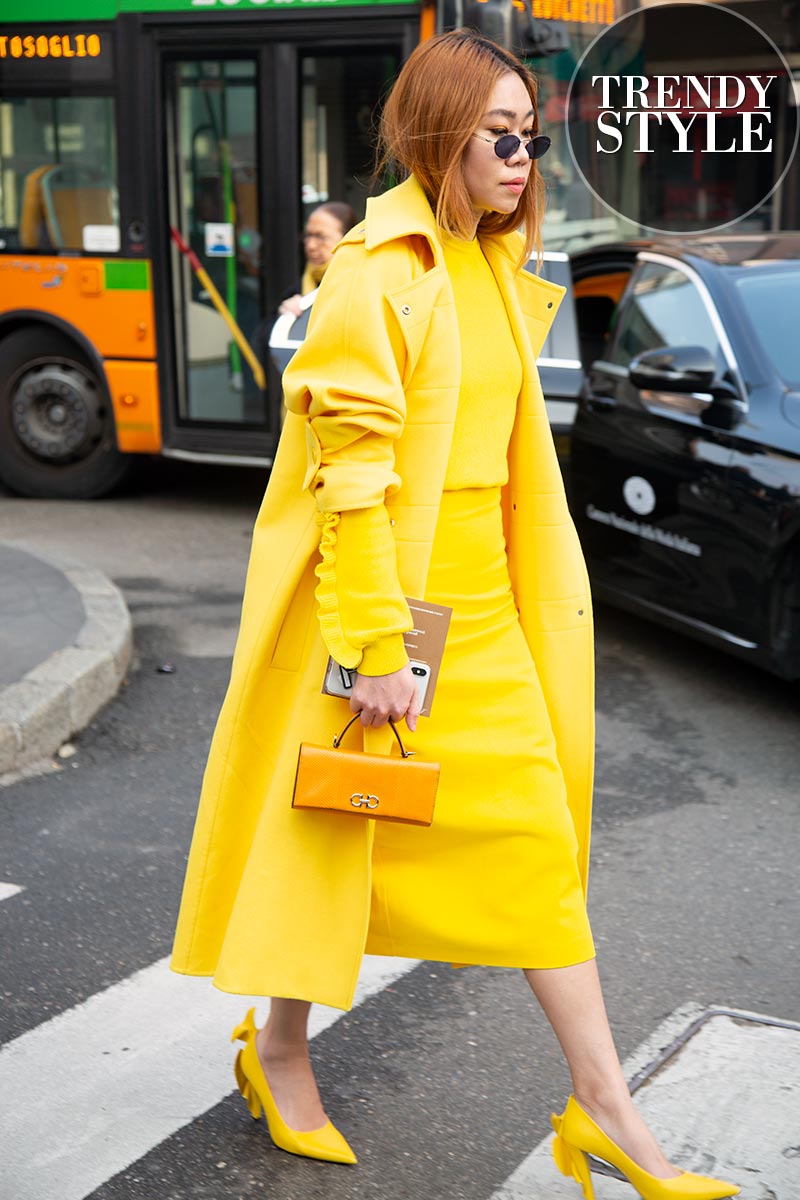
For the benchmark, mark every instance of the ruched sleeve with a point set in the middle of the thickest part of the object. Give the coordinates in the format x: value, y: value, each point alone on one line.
x: 346, y: 379
x: 362, y: 611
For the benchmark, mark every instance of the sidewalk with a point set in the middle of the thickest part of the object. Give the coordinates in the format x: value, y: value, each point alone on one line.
x: 706, y: 1077
x: 65, y: 644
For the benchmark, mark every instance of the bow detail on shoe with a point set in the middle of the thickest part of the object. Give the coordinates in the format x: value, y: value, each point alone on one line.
x: 561, y: 1151
x: 246, y: 1088
x: 245, y: 1031
x: 570, y: 1162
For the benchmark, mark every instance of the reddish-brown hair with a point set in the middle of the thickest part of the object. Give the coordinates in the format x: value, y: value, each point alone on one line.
x: 432, y: 111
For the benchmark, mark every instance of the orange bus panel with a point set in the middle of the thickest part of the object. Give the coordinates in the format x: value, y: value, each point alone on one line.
x: 109, y: 301
x: 134, y: 394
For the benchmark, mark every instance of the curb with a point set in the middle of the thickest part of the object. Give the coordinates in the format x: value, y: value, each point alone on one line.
x: 62, y: 694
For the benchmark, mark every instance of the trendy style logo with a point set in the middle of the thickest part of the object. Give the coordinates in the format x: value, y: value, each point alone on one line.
x: 659, y: 142
x: 691, y: 103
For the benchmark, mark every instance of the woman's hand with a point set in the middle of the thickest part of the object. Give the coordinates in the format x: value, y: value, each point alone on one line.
x: 382, y: 696
x: 291, y: 305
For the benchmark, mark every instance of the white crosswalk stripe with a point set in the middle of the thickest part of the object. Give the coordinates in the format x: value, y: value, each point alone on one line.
x: 123, y: 1071
x: 135, y: 1063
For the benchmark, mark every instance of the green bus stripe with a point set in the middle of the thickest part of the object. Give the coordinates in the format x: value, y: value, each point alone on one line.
x: 123, y: 275
x: 57, y: 10
x: 88, y: 11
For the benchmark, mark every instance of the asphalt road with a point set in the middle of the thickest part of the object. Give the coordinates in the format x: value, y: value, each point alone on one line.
x: 445, y: 1080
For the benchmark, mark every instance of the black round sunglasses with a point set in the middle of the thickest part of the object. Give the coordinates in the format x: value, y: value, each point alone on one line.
x: 509, y: 144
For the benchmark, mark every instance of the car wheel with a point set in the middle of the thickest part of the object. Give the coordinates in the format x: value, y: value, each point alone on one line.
x: 56, y: 423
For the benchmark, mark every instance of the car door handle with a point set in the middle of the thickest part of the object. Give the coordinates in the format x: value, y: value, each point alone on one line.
x: 599, y: 403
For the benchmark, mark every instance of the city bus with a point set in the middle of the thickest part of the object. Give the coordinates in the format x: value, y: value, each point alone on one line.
x: 130, y: 128
x: 158, y: 159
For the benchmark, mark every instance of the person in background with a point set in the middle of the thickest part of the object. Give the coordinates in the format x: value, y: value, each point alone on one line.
x: 326, y: 226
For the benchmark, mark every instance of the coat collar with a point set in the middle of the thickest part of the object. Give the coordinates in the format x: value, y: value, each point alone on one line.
x: 401, y: 212
x: 404, y: 211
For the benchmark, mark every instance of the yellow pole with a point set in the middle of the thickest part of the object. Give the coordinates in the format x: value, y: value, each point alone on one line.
x: 222, y: 308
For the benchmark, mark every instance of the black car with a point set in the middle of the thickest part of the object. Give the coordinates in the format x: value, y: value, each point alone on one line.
x: 684, y: 474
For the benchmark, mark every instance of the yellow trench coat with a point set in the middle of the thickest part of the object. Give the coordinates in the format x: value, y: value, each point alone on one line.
x: 277, y: 902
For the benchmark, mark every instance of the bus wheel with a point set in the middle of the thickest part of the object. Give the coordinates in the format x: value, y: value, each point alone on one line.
x: 56, y: 425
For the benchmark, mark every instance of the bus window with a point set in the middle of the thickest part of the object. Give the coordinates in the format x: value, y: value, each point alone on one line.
x: 58, y: 170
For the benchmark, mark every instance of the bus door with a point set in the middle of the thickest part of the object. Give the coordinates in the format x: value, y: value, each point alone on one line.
x: 214, y: 214
x: 258, y: 133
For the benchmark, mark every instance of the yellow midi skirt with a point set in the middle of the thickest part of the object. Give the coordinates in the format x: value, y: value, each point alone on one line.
x: 495, y: 879
x: 279, y: 902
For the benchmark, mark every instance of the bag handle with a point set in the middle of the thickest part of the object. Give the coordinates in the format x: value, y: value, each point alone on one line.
x: 337, y: 741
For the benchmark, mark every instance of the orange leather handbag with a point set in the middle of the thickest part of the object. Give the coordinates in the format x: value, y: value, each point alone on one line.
x: 380, y: 786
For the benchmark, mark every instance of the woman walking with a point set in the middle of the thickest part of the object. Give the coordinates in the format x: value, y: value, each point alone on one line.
x: 417, y: 462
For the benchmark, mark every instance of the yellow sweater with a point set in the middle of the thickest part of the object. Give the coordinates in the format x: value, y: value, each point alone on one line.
x: 359, y: 591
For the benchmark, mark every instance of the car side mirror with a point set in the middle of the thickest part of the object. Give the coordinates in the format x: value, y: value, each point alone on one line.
x: 674, y: 369
x: 725, y: 410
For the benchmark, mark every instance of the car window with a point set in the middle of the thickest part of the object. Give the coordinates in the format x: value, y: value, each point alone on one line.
x: 772, y: 301
x: 664, y: 309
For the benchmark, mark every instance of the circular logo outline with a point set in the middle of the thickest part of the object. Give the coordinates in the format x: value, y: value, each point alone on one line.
x: 657, y: 228
x: 639, y: 495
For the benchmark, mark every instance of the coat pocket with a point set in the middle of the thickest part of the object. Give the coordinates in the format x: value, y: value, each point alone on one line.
x: 290, y: 643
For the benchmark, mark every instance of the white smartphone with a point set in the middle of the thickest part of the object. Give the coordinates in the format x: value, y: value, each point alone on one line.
x: 339, y: 681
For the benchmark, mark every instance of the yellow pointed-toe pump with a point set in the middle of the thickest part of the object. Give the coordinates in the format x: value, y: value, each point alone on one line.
x: 577, y: 1135
x: 325, y: 1143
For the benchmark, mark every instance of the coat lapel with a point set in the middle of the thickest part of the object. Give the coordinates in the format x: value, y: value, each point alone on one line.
x: 531, y: 302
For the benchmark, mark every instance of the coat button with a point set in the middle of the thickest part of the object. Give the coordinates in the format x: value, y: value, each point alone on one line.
x: 549, y: 303
x: 406, y: 310
x: 392, y: 521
